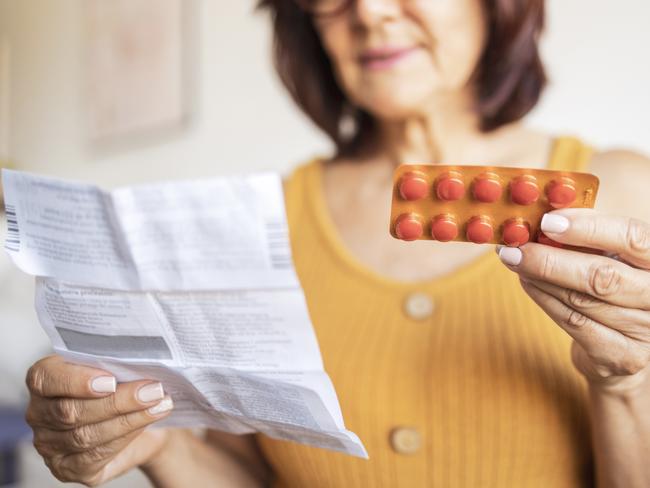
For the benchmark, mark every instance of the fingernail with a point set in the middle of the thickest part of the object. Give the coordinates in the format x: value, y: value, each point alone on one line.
x: 510, y: 255
x: 554, y: 224
x: 103, y: 384
x: 164, y: 406
x: 151, y: 392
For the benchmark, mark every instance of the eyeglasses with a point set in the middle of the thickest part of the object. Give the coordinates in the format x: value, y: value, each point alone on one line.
x: 324, y: 8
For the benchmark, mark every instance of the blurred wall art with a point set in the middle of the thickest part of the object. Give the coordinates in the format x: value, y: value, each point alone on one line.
x: 136, y: 67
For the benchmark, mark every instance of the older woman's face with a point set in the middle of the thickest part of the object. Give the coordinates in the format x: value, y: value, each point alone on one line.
x: 392, y: 57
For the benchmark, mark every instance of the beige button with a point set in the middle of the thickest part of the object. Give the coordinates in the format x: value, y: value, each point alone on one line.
x: 418, y: 306
x: 405, y: 440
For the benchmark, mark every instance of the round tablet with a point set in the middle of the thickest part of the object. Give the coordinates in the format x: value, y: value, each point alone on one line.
x: 561, y: 192
x: 480, y: 230
x: 408, y: 227
x: 450, y: 186
x: 413, y: 186
x: 515, y: 232
x: 444, y: 228
x: 487, y: 188
x: 524, y: 190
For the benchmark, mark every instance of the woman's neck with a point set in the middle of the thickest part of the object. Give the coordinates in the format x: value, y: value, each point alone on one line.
x: 443, y: 132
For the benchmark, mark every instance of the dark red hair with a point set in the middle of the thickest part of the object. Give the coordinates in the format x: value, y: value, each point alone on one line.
x: 508, y: 79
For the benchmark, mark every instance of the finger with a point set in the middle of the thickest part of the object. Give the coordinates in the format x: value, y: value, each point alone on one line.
x: 54, y: 377
x: 138, y: 452
x: 626, y: 237
x: 103, y: 463
x: 603, y: 278
x: 68, y: 413
x: 89, y: 466
x: 89, y: 436
x: 607, y: 347
x: 631, y: 322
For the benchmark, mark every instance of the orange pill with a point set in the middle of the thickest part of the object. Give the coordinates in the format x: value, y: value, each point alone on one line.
x: 413, y: 186
x: 524, y: 190
x: 487, y: 188
x: 408, y: 227
x: 450, y: 186
x: 515, y: 232
x: 444, y: 228
x: 561, y: 192
x: 480, y: 229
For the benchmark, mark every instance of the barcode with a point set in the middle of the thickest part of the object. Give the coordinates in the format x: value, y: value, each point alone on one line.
x: 12, y: 242
x: 277, y: 238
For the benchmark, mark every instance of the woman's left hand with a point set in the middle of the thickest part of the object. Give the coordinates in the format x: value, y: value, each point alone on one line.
x: 602, y: 302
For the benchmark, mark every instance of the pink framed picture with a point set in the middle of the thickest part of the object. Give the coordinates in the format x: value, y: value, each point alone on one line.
x: 134, y: 63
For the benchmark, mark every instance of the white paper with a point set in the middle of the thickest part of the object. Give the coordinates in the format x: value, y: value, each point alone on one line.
x: 188, y: 283
x: 219, y: 234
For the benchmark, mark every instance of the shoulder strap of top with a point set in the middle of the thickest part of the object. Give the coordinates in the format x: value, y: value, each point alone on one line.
x: 296, y: 188
x: 570, y: 154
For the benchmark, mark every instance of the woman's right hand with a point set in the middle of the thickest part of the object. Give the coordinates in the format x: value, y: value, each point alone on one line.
x: 87, y: 428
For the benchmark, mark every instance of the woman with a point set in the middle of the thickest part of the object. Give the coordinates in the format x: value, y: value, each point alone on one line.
x: 445, y: 367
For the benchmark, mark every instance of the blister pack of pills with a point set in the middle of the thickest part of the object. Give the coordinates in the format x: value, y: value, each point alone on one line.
x: 482, y: 204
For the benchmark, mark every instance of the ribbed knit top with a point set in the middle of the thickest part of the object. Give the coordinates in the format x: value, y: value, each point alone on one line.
x: 485, y: 381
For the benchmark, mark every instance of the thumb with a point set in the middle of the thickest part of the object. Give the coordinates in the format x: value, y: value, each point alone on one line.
x: 144, y: 448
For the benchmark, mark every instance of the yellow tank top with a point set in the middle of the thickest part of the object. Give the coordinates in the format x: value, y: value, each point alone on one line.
x: 478, y: 391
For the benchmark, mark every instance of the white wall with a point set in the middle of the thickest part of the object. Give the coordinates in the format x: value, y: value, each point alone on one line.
x: 598, y: 60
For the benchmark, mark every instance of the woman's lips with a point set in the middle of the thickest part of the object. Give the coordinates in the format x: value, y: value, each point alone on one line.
x: 384, y: 58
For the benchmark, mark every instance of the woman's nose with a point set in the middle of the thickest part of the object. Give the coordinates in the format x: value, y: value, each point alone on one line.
x: 369, y: 12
